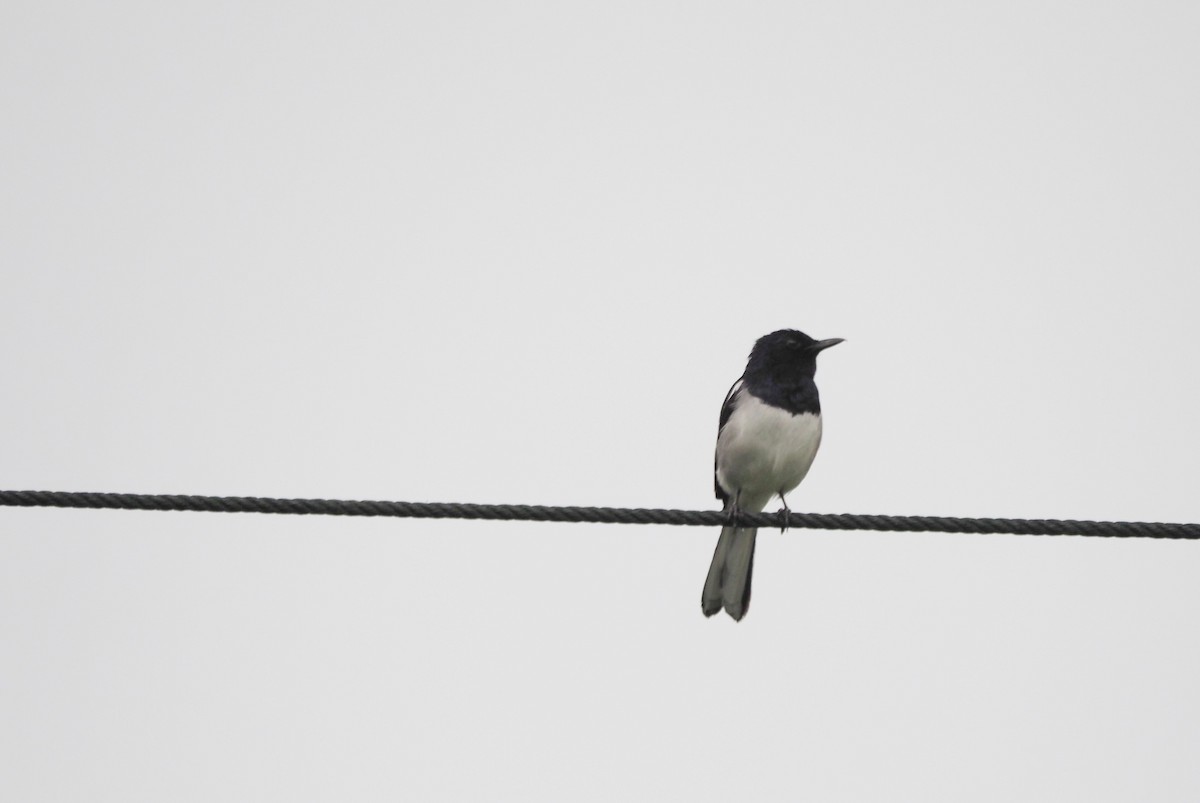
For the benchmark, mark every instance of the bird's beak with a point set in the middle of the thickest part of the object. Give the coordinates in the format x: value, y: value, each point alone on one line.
x: 821, y: 345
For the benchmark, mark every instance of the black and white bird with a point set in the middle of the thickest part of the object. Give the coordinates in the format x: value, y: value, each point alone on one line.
x: 768, y: 436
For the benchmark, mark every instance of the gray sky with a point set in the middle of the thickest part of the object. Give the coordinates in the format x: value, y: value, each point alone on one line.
x: 517, y: 252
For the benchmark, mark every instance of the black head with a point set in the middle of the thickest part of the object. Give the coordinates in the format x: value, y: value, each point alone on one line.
x: 787, y: 352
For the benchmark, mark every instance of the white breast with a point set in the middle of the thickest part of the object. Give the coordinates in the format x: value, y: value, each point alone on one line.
x: 763, y: 450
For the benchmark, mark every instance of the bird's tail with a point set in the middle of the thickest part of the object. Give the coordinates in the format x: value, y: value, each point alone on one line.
x: 728, y: 583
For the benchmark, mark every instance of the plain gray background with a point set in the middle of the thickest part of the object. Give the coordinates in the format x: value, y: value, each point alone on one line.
x: 517, y: 252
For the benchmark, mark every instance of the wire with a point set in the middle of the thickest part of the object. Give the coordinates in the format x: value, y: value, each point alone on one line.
x: 603, y: 515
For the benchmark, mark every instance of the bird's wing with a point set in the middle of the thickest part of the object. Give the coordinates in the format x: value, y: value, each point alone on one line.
x: 726, y: 411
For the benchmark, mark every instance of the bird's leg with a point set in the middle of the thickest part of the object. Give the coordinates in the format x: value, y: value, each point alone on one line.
x: 787, y: 511
x: 735, y: 509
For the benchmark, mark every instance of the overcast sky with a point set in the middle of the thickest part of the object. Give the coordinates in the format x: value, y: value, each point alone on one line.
x: 517, y: 252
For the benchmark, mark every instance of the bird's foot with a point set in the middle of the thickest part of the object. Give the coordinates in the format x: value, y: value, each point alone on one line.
x: 732, y: 513
x: 786, y: 512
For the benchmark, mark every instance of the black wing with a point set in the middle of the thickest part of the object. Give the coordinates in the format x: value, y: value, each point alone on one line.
x: 726, y: 411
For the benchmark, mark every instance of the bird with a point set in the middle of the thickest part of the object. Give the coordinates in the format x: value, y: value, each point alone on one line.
x: 769, y: 433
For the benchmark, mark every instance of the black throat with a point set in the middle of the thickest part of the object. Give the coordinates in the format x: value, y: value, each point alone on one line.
x: 790, y: 388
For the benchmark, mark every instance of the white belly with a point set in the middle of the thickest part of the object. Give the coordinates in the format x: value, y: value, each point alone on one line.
x: 763, y: 450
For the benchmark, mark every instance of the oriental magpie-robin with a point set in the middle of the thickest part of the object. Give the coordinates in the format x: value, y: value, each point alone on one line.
x: 768, y: 436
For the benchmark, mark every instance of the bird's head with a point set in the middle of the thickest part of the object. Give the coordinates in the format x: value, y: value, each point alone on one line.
x: 788, y: 351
